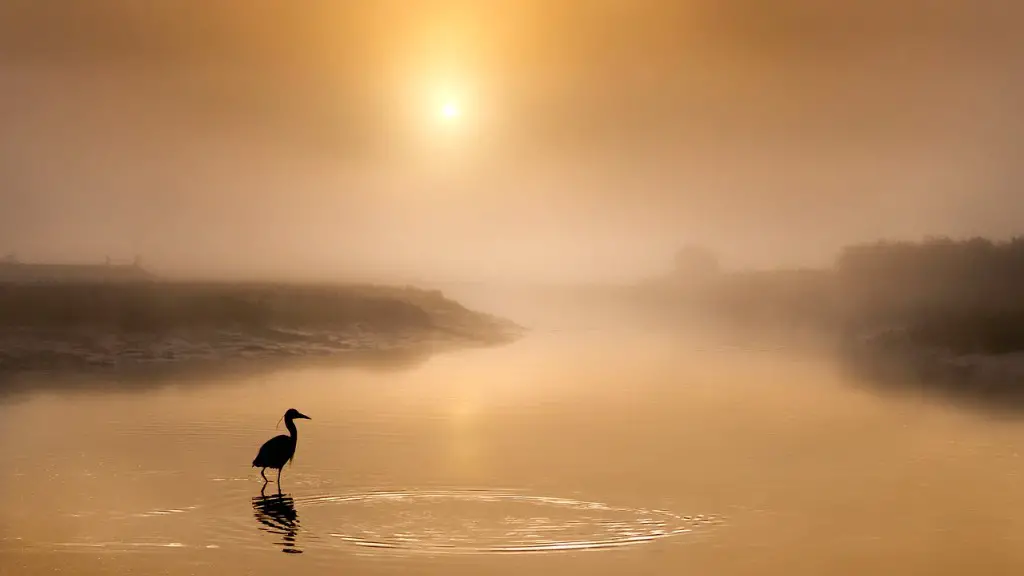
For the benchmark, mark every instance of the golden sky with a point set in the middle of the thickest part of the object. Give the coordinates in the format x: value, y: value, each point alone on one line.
x: 593, y: 137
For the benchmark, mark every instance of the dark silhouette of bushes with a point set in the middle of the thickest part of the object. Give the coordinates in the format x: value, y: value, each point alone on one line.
x: 970, y: 333
x: 961, y: 296
x: 937, y: 275
x: 167, y: 306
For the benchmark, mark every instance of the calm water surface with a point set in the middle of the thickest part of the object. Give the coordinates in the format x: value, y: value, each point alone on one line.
x: 570, y: 453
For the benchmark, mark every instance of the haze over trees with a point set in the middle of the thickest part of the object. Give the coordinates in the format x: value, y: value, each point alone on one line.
x: 959, y: 295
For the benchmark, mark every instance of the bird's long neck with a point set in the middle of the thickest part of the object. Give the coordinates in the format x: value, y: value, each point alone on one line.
x: 290, y: 425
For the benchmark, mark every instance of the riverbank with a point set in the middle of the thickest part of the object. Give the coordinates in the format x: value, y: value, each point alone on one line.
x: 91, y: 326
x: 941, y: 314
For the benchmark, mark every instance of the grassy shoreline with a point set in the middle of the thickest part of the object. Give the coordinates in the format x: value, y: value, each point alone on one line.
x: 69, y: 326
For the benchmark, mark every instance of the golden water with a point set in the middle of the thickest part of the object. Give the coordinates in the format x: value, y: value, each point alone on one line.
x: 596, y: 452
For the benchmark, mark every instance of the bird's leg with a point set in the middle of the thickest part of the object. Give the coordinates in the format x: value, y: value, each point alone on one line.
x: 262, y: 470
x: 279, y: 476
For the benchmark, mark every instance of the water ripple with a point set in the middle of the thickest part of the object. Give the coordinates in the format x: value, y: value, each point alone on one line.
x: 482, y: 522
x: 431, y: 521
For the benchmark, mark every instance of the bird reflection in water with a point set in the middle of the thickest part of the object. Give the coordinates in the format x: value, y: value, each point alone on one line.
x: 276, y: 514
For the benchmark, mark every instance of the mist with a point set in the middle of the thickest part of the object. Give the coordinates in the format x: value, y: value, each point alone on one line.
x: 298, y: 140
x: 575, y: 287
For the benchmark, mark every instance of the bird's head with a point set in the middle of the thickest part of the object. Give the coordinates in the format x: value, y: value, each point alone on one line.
x: 293, y: 414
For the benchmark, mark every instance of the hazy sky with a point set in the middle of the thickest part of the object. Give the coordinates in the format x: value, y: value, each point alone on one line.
x: 304, y: 137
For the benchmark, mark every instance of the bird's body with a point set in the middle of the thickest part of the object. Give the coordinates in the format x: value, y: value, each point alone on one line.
x: 276, y: 452
x: 279, y: 450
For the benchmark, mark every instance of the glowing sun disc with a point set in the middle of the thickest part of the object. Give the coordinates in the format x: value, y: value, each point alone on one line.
x: 450, y: 110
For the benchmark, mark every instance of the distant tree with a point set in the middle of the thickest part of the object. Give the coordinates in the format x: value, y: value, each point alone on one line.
x: 695, y: 261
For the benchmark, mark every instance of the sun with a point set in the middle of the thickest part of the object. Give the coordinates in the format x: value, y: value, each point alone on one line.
x: 450, y: 110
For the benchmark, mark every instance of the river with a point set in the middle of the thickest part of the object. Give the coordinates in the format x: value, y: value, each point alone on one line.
x: 576, y: 451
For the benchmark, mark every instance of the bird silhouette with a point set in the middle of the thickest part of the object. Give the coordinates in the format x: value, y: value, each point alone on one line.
x: 277, y: 451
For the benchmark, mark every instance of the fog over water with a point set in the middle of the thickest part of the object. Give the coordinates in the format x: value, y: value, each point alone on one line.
x: 565, y: 287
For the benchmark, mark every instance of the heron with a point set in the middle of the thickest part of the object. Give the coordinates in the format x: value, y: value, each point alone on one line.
x: 277, y: 451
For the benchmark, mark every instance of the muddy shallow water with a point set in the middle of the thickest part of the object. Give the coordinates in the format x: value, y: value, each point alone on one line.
x: 589, y: 452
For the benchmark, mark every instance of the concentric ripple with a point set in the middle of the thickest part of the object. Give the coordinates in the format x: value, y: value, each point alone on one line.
x: 480, y: 522
x: 432, y: 521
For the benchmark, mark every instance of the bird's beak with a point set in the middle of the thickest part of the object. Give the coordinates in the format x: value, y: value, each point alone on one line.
x: 301, y: 415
